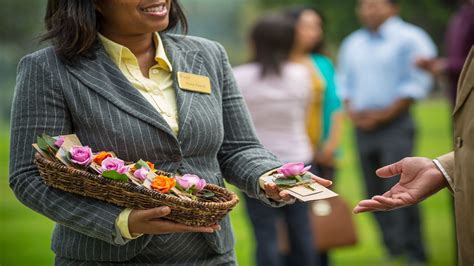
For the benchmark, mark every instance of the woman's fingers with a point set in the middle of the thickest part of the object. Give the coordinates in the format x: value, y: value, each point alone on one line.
x: 163, y: 226
x: 150, y: 222
x: 149, y: 214
x: 285, y: 196
x: 321, y: 181
x: 271, y: 191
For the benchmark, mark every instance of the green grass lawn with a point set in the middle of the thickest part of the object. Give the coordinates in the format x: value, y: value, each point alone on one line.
x: 25, y: 236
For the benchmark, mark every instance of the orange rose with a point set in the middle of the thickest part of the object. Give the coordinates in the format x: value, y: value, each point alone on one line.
x: 163, y: 183
x: 102, y: 156
x: 151, y: 165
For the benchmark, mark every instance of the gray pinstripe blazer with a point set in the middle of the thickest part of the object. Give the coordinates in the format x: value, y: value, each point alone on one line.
x: 95, y: 101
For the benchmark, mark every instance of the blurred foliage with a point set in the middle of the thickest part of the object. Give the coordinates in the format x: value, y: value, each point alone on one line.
x: 226, y: 21
x: 431, y: 15
x: 21, y: 25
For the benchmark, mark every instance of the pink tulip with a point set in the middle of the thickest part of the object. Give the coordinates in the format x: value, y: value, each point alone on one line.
x: 293, y: 169
x: 81, y: 155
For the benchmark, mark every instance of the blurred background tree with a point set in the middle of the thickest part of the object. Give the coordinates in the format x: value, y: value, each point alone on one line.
x: 226, y: 21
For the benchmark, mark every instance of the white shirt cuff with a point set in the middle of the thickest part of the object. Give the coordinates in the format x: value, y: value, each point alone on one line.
x: 445, y: 174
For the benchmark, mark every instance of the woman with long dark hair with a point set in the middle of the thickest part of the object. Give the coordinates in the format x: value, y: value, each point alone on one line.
x: 112, y: 77
x: 324, y: 117
x: 278, y: 93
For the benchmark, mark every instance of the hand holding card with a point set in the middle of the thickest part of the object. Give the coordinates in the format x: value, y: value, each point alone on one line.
x: 299, y: 183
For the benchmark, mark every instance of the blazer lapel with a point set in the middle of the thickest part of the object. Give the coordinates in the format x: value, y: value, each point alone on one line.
x: 466, y: 82
x: 104, y: 77
x: 187, y: 60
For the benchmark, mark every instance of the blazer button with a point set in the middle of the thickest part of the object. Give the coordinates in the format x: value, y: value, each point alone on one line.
x: 459, y: 142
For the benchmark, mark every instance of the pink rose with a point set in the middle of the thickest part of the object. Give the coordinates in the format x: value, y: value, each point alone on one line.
x: 187, y: 181
x: 201, y: 184
x: 114, y: 164
x: 293, y: 169
x: 81, y: 155
x: 59, y: 142
x: 141, y: 173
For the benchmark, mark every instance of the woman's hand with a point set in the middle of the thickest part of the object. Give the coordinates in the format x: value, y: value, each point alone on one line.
x: 273, y: 192
x: 150, y: 222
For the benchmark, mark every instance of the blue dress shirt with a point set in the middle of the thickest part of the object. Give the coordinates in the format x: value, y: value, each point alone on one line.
x: 378, y: 68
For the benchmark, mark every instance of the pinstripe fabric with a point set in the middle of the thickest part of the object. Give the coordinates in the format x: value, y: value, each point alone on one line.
x: 95, y: 101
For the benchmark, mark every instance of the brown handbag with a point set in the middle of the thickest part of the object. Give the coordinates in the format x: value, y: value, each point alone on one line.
x: 332, y: 226
x: 332, y: 223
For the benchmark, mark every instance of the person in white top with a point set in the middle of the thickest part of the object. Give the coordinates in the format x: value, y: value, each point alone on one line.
x: 278, y: 93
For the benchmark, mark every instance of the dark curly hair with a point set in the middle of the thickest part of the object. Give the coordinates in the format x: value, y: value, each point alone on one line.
x: 72, y: 27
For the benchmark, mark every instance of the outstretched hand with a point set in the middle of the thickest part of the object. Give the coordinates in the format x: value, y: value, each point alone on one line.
x: 419, y: 179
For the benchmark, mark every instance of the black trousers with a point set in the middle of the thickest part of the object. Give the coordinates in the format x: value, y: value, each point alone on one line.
x: 264, y: 220
x: 401, y: 229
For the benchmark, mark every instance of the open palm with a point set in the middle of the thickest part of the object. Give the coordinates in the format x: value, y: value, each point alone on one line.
x: 419, y: 179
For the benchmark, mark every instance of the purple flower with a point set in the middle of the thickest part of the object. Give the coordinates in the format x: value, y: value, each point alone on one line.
x: 81, y: 155
x: 201, y: 184
x: 187, y: 182
x: 293, y: 169
x: 114, y: 164
x: 59, y: 142
x: 141, y: 173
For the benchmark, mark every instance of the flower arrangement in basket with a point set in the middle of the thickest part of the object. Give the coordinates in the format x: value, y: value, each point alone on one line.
x: 66, y: 164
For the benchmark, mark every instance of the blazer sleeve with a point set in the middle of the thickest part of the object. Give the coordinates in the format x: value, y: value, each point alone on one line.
x: 39, y: 107
x: 241, y: 157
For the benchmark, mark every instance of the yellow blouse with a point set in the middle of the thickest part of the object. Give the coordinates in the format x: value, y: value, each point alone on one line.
x: 158, y: 88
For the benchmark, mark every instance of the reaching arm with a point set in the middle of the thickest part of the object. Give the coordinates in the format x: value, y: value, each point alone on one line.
x: 419, y: 179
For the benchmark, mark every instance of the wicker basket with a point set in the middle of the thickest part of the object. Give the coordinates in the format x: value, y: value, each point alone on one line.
x: 189, y: 212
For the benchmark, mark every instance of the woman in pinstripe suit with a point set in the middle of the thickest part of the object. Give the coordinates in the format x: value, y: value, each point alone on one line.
x: 111, y: 78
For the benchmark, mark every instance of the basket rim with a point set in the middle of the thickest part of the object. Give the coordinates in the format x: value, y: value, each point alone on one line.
x: 130, y: 187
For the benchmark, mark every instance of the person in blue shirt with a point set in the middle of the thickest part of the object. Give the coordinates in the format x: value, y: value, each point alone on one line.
x: 379, y: 81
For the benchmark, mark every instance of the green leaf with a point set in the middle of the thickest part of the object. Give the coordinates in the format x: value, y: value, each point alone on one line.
x: 142, y: 164
x: 307, y: 176
x: 50, y: 141
x: 285, y: 182
x: 42, y: 144
x: 298, y: 178
x: 115, y: 176
x: 208, y: 194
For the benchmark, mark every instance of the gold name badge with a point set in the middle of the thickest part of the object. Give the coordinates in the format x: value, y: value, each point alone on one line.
x: 193, y: 82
